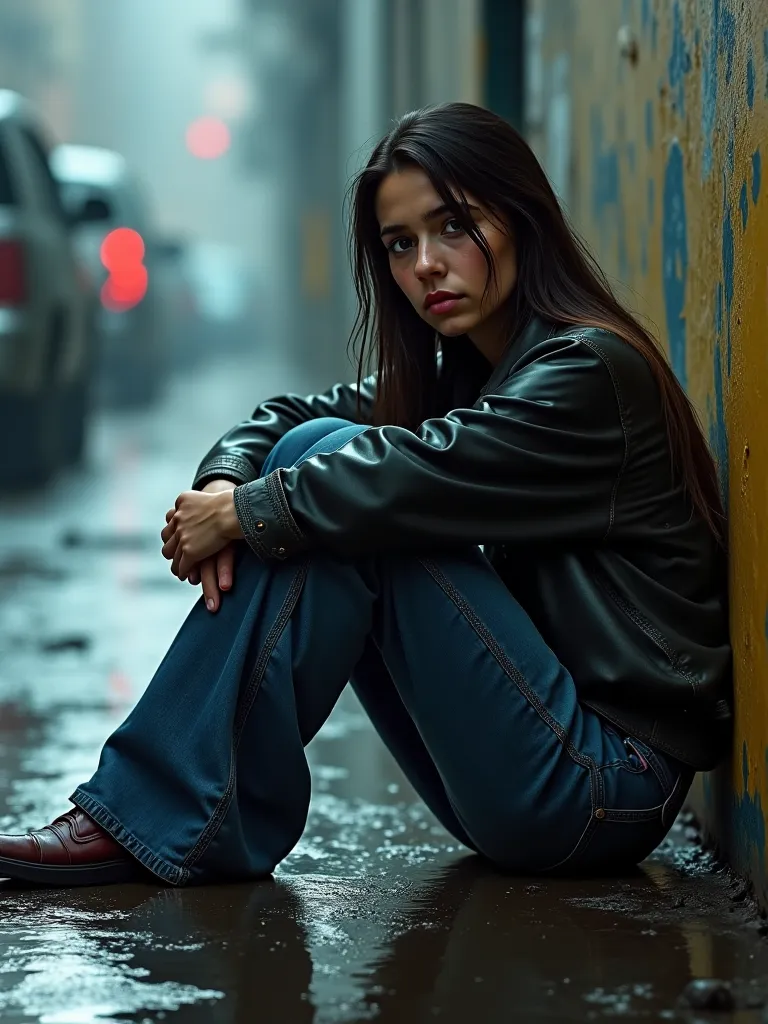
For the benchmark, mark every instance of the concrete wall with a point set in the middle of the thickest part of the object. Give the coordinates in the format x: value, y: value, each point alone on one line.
x: 653, y: 118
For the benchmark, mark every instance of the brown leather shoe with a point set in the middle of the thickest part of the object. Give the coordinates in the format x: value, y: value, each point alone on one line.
x: 72, y: 850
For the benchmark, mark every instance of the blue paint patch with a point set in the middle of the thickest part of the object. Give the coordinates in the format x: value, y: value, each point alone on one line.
x: 605, y: 167
x: 709, y: 83
x: 679, y: 63
x: 644, y: 250
x: 674, y: 237
x: 751, y: 81
x: 649, y: 124
x: 749, y: 823
x: 606, y: 188
x: 645, y: 14
x: 651, y: 200
x: 728, y: 41
x: 625, y: 268
x: 654, y: 34
x: 631, y: 156
x: 744, y: 204
x: 728, y: 279
x: 757, y: 175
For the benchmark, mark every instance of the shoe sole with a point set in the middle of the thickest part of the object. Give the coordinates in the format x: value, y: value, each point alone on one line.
x: 106, y: 873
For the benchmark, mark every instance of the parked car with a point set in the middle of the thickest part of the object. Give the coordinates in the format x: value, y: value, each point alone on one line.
x: 44, y: 342
x: 116, y: 239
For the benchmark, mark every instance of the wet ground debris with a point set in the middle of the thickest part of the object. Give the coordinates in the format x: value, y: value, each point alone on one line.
x: 708, y: 994
x: 59, y: 645
x: 112, y: 541
x: 30, y: 566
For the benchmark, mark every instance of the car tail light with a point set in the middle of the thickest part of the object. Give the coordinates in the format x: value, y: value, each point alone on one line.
x: 13, y: 273
x: 122, y: 253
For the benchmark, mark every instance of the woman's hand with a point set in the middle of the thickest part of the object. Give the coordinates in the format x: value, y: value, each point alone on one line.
x: 217, y: 572
x: 200, y: 525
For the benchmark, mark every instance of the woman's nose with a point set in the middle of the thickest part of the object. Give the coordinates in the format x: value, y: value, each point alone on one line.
x: 427, y: 261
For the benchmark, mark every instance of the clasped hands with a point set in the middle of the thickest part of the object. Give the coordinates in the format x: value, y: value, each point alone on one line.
x: 198, y: 538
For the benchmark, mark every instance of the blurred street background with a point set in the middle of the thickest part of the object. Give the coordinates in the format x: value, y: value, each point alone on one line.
x: 172, y: 253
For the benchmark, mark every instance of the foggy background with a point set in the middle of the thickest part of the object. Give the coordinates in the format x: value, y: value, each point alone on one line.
x: 299, y: 91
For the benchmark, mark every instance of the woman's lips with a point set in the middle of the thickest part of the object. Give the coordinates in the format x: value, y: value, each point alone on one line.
x: 444, y: 306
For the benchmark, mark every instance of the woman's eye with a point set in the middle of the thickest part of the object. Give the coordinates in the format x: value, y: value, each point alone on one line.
x: 393, y: 246
x: 455, y: 222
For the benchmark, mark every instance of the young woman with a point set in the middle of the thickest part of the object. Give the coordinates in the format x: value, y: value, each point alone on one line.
x: 509, y: 538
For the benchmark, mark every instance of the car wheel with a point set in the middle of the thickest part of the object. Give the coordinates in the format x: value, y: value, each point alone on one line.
x: 28, y: 426
x: 74, y: 412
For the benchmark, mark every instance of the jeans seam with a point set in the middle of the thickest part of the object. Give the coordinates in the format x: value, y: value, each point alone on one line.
x: 244, y: 708
x: 616, y: 764
x: 106, y: 820
x: 517, y: 677
x: 620, y: 815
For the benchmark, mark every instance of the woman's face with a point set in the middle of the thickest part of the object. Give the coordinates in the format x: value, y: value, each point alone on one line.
x: 430, y: 254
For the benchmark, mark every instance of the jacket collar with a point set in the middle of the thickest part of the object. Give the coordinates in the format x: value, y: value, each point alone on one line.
x: 537, y: 330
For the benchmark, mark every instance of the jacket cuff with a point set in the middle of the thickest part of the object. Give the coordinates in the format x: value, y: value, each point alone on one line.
x: 231, y: 467
x: 266, y: 521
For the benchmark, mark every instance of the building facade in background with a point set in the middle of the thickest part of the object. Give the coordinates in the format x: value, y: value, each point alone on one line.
x: 40, y: 49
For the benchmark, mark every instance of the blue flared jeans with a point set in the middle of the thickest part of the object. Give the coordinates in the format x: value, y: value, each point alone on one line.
x: 207, y: 780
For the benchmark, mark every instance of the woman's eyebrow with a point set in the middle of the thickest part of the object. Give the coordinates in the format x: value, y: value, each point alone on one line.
x: 390, y: 229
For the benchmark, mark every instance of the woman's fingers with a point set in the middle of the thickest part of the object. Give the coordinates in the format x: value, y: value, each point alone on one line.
x: 171, y: 546
x: 225, y: 566
x: 210, y: 584
x: 168, y: 530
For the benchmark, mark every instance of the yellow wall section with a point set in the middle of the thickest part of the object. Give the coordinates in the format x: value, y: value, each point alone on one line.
x: 667, y: 165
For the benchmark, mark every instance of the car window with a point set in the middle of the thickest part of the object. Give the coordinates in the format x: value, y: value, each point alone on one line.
x: 50, y: 191
x: 7, y: 191
x: 75, y: 194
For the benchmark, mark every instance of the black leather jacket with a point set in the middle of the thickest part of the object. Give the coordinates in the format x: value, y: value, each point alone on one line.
x: 560, y: 467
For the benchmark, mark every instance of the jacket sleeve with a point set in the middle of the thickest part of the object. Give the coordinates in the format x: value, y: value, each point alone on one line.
x: 240, y: 453
x: 537, y: 459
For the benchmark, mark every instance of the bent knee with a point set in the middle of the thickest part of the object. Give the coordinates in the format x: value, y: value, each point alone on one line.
x: 300, y: 439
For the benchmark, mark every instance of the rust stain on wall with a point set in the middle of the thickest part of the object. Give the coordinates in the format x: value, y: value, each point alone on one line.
x: 667, y: 141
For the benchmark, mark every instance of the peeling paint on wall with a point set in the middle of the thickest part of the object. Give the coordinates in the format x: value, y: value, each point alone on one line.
x: 675, y: 258
x: 668, y: 190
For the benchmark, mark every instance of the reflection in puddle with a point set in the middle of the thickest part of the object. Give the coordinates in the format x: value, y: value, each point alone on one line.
x: 84, y: 972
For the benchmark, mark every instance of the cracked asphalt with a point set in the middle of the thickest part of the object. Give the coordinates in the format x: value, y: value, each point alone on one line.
x: 377, y: 914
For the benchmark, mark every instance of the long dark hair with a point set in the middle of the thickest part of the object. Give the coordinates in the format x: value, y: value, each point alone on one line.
x: 462, y: 146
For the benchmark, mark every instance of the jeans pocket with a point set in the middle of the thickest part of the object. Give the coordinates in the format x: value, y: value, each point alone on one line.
x: 638, y: 799
x: 674, y: 778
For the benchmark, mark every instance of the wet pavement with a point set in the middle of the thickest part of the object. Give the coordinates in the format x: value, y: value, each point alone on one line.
x: 377, y: 914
